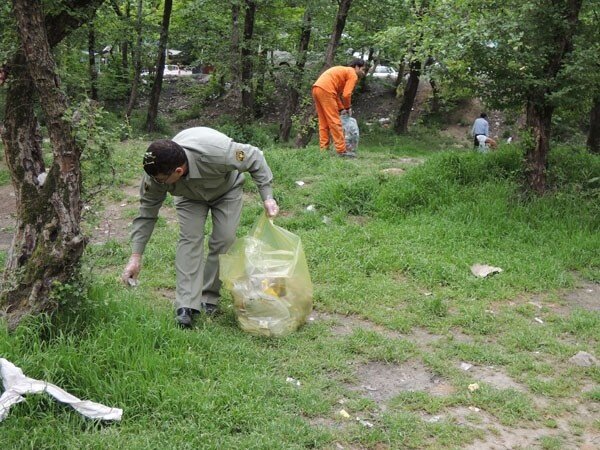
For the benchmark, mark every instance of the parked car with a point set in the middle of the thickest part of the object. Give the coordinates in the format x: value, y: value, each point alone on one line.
x: 171, y: 70
x: 385, y: 73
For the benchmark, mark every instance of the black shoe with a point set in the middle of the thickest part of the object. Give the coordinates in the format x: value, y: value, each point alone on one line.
x: 185, y: 317
x: 209, y: 309
x: 347, y: 154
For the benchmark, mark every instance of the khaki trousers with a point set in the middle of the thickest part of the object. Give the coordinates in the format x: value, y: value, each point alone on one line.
x: 198, y: 281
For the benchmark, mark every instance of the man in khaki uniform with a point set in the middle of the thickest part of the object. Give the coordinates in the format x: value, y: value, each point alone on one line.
x: 202, y: 168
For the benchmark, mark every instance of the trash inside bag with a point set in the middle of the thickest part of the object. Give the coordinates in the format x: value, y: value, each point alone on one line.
x: 268, y: 277
x: 351, y: 132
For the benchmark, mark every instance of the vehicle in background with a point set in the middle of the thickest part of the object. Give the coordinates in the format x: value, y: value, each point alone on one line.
x: 385, y: 73
x: 171, y: 70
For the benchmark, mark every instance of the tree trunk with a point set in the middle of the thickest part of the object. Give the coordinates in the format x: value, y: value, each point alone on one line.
x: 294, y: 95
x: 247, y: 65
x: 307, y: 115
x: 539, y: 110
x: 336, y: 34
x: 137, y: 62
x: 92, y: 61
x: 151, y: 124
x: 593, y: 140
x: 408, y: 98
x: 538, y: 122
x: 48, y: 242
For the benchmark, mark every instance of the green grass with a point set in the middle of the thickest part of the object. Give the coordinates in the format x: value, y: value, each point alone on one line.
x: 392, y: 251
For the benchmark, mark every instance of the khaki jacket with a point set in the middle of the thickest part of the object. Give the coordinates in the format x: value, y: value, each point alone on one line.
x: 215, y: 165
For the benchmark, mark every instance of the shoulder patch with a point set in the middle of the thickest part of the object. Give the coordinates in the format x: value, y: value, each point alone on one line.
x: 240, y: 155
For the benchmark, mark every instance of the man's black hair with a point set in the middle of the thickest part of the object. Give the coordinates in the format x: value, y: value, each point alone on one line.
x: 357, y: 63
x: 163, y: 157
x: 483, y: 115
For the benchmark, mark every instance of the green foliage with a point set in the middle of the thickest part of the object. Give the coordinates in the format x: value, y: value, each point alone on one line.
x: 97, y: 131
x: 252, y: 134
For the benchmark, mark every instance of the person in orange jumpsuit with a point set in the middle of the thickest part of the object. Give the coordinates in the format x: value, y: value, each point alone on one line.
x: 332, y: 93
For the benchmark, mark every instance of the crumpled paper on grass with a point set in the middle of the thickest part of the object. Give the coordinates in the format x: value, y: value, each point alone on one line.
x: 16, y: 384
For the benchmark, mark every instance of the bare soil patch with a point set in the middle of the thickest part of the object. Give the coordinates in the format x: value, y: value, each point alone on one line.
x: 585, y: 297
x: 495, y: 377
x: 382, y: 382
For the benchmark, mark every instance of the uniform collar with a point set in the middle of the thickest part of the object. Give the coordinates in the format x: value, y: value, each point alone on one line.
x: 192, y: 168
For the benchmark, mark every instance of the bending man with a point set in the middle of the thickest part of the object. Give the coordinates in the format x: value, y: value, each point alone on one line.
x: 202, y: 169
x: 332, y: 93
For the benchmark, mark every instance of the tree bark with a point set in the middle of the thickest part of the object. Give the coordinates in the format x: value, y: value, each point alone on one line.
x: 336, y: 34
x: 539, y: 110
x: 48, y: 242
x: 593, y: 139
x: 293, y: 94
x: 154, y: 100
x: 408, y: 98
x: 307, y: 116
x: 247, y: 63
x: 137, y: 62
x: 538, y: 122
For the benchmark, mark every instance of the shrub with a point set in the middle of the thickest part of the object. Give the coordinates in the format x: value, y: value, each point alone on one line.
x: 245, y: 133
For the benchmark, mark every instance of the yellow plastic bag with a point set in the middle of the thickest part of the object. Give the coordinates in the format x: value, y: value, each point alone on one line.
x: 268, y: 277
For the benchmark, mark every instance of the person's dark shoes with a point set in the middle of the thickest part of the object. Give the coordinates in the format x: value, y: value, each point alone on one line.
x: 347, y: 154
x: 209, y: 309
x: 185, y: 317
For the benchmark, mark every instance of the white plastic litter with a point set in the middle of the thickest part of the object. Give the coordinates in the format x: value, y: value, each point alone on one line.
x: 482, y: 270
x: 16, y: 384
x: 293, y: 381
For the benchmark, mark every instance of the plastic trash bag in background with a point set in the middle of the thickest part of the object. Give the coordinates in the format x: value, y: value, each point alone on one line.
x: 351, y: 133
x: 268, y: 277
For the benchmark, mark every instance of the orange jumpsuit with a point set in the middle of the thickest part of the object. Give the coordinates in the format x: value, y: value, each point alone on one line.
x: 332, y: 92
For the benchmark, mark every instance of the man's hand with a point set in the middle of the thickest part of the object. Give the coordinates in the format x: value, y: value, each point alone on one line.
x: 132, y: 270
x: 271, y: 207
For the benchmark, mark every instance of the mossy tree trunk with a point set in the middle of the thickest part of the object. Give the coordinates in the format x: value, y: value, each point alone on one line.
x: 48, y: 242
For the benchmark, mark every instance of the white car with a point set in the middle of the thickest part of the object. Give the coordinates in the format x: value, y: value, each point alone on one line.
x: 171, y: 70
x: 385, y: 73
